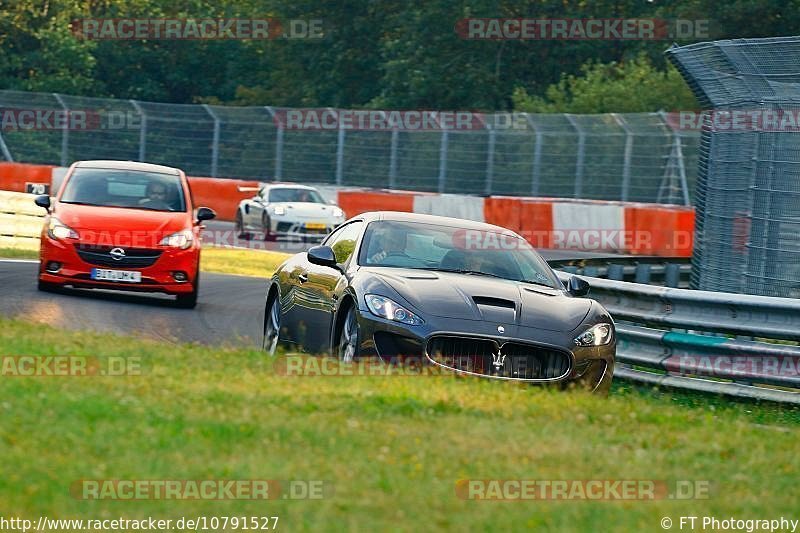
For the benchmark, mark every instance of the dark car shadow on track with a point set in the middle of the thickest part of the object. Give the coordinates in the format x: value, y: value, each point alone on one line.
x: 147, y: 299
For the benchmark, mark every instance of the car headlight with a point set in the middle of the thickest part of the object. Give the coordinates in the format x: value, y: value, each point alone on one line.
x: 338, y: 213
x: 386, y: 308
x: 597, y: 335
x: 279, y: 210
x: 58, y: 230
x: 182, y: 239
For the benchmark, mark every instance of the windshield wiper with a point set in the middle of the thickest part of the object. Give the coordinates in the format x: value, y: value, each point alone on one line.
x: 480, y: 273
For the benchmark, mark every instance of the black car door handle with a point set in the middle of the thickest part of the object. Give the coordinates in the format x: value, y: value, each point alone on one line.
x: 303, y: 278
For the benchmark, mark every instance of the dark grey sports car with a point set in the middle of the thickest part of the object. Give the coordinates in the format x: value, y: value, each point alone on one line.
x: 468, y: 296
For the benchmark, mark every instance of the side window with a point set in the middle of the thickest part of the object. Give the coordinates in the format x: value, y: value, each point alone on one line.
x: 343, y: 241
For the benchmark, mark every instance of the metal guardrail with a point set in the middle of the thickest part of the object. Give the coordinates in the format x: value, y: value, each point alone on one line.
x: 740, y: 345
x: 20, y: 221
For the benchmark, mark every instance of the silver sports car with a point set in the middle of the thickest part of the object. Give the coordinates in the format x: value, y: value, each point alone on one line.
x: 287, y: 210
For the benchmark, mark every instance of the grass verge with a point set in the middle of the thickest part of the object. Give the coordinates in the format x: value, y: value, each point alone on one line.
x: 391, y: 448
x: 239, y: 261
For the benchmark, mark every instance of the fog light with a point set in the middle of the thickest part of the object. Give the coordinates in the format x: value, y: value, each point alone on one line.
x: 53, y: 266
x: 180, y: 276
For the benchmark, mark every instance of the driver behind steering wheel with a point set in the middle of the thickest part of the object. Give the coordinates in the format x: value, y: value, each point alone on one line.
x: 156, y: 196
x: 393, y: 244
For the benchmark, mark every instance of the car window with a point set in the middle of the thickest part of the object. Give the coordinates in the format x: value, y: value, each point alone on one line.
x: 343, y: 241
x: 285, y: 194
x: 431, y: 246
x: 134, y: 189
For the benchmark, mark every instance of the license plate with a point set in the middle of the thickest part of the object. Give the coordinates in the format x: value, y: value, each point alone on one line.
x: 127, y: 276
x: 315, y: 225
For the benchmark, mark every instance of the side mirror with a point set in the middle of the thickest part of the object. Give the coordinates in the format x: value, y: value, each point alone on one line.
x: 578, y: 286
x: 205, y: 213
x: 323, y: 256
x: 43, y: 201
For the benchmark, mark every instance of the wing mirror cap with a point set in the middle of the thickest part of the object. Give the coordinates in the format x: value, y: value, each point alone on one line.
x: 42, y: 201
x: 205, y: 213
x: 323, y: 256
x: 578, y: 286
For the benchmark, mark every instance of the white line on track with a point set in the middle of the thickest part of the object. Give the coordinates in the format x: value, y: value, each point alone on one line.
x: 19, y: 260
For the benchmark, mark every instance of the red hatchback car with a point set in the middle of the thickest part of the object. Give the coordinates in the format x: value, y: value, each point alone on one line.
x: 123, y: 225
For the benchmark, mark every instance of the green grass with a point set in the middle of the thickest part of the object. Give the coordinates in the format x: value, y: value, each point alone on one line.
x: 243, y: 262
x: 392, y: 448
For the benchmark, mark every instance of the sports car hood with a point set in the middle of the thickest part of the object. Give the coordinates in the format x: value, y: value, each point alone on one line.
x: 472, y: 297
x: 119, y: 226
x: 307, y: 210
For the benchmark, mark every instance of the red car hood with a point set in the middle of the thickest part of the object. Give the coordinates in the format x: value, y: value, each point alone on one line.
x: 116, y: 226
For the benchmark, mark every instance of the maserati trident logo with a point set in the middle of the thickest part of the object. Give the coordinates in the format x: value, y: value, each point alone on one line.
x: 501, y: 329
x: 498, y: 360
x: 117, y: 254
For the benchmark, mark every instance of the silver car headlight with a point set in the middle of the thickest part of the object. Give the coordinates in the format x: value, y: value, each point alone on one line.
x: 182, y: 239
x: 386, y: 308
x: 597, y: 335
x: 59, y: 231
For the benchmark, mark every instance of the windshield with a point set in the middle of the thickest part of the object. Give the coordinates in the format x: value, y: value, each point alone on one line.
x: 295, y: 195
x: 130, y: 189
x: 471, y: 251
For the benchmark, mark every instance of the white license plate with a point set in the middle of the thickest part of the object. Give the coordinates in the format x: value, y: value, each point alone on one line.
x: 127, y: 276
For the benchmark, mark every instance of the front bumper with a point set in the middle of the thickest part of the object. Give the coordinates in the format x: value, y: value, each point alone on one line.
x: 158, y: 277
x: 315, y: 230
x: 590, y: 368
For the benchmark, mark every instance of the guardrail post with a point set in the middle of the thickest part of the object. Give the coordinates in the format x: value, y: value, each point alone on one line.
x: 672, y: 275
x: 142, y: 130
x: 616, y: 272
x: 215, y: 142
x: 490, y: 160
x: 64, y: 131
x: 443, y: 160
x: 626, y: 165
x: 580, y: 157
x: 643, y: 273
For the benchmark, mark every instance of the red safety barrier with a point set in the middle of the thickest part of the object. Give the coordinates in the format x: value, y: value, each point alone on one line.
x: 357, y: 202
x: 221, y: 195
x: 661, y: 231
x: 14, y: 176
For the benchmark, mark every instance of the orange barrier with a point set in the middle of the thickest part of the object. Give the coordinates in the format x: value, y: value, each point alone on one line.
x: 662, y: 231
x: 357, y: 202
x: 221, y: 195
x: 13, y: 176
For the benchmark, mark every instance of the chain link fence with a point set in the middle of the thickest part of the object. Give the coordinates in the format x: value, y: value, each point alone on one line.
x: 628, y: 157
x: 748, y: 192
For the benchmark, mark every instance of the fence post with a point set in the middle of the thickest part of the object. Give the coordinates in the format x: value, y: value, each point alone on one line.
x: 339, y: 152
x: 393, y: 158
x: 682, y: 170
x: 581, y: 155
x: 142, y: 130
x: 278, y: 143
x: 536, y: 172
x: 490, y: 160
x: 4, y: 149
x: 443, y: 158
x: 64, y: 131
x: 626, y: 168
x: 215, y: 142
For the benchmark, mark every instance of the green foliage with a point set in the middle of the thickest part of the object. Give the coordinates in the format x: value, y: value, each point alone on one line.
x: 616, y: 87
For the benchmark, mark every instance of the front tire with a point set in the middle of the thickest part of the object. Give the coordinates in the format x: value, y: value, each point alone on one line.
x: 272, y: 325
x: 349, y: 338
x: 189, y: 300
x: 240, y: 232
x: 266, y: 225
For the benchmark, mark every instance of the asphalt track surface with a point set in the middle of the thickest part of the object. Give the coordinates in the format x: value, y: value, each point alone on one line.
x: 230, y: 309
